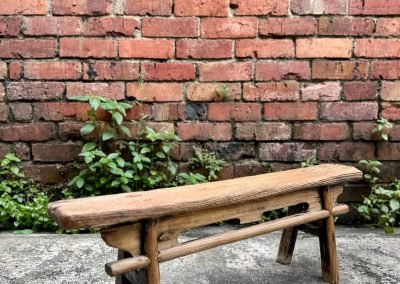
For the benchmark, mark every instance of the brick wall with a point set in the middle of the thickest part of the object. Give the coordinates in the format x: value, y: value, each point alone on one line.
x: 305, y: 77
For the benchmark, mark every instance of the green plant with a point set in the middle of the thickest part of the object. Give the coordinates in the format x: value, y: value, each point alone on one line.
x: 312, y: 161
x: 222, y: 93
x: 371, y: 171
x: 208, y: 161
x: 383, y: 127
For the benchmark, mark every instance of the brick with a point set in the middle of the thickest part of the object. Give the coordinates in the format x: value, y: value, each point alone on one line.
x: 70, y: 130
x: 260, y: 7
x: 287, y: 152
x: 164, y: 27
x: 59, y: 111
x: 15, y: 70
x: 10, y: 26
x: 389, y: 151
x: 3, y: 70
x: 152, y: 8
x: 112, y: 71
x: 394, y: 133
x: 226, y: 71
x: 388, y: 27
x: 377, y: 48
x: 328, y: 91
x: 147, y: 49
x: 28, y: 48
x: 53, y: 70
x: 194, y: 111
x: 390, y: 111
x: 288, y: 26
x: 21, y: 111
x: 204, y: 49
x: 22, y: 151
x: 373, y: 7
x: 138, y: 111
x: 50, y: 173
x: 363, y: 130
x: 168, y: 112
x: 65, y: 152
x: 60, y: 26
x: 390, y: 91
x: 135, y: 127
x: 341, y: 26
x: 290, y: 111
x: 267, y: 92
x: 168, y: 71
x: 27, y: 132
x: 2, y: 92
x: 346, y: 151
x: 389, y: 70
x: 35, y: 91
x: 354, y: 111
x: 205, y: 92
x: 110, y: 90
x: 110, y: 26
x: 153, y: 92
x: 248, y: 168
x: 4, y: 111
x: 340, y: 70
x: 81, y: 7
x: 23, y: 7
x: 234, y: 112
x: 204, y: 131
x: 228, y: 27
x: 263, y: 131
x: 324, y: 48
x: 360, y: 91
x: 88, y: 48
x: 282, y: 70
x: 319, y: 7
x: 321, y: 132
x: 204, y: 8
x: 232, y: 151
x: 264, y: 48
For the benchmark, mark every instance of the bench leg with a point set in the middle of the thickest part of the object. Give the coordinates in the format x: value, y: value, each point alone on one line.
x: 151, y: 251
x: 327, y: 242
x: 135, y: 277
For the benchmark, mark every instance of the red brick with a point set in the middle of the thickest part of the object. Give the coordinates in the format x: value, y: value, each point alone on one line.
x: 153, y: 8
x: 321, y: 132
x: 4, y: 111
x: 153, y: 92
x: 389, y: 70
x: 264, y: 48
x: 394, y: 133
x: 390, y: 91
x: 226, y: 71
x: 354, y: 111
x: 360, y: 91
x: 27, y: 132
x: 113, y: 71
x: 282, y: 70
x: 324, y: 48
x: 205, y: 92
x: 60, y: 26
x: 263, y: 131
x: 288, y: 26
x: 2, y: 92
x: 228, y: 27
x: 346, y: 151
x: 21, y: 111
x: 110, y: 26
x: 35, y: 91
x: 208, y: 8
x: 319, y: 7
x: 10, y: 26
x: 28, y: 48
x: 135, y: 127
x: 288, y: 152
x: 163, y: 27
x: 23, y: 7
x: 138, y: 111
x: 65, y: 152
x: 377, y: 48
x: 148, y: 49
x: 390, y: 111
x: 341, y: 26
x: 388, y: 27
x: 232, y: 151
x: 260, y: 7
x: 109, y: 90
x: 70, y: 130
x: 389, y: 151
x: 267, y: 92
x: 50, y: 173
x: 204, y: 131
x: 88, y: 48
x: 248, y: 168
x: 81, y: 7
x: 204, y: 49
x: 340, y: 70
x: 328, y: 91
x: 291, y: 111
x: 234, y: 111
x: 374, y: 7
x: 363, y: 130
x: 53, y: 70
x: 3, y: 70
x: 168, y: 71
x: 15, y: 70
x: 168, y: 112
x: 59, y: 111
x: 22, y: 151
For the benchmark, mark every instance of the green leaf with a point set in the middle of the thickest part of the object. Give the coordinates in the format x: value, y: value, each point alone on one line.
x: 80, y: 98
x: 23, y: 232
x: 161, y: 155
x: 14, y: 170
x: 89, y: 147
x: 107, y: 135
x: 80, y: 182
x: 87, y: 129
x: 389, y: 230
x: 125, y: 130
x: 118, y: 117
x: 394, y: 204
x: 94, y: 102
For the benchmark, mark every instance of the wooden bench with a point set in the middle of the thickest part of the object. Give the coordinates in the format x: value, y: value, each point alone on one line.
x: 144, y: 226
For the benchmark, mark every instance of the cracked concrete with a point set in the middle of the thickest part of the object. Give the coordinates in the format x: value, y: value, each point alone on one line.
x: 366, y: 256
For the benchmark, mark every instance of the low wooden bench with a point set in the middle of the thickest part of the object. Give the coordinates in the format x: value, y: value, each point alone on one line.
x: 144, y: 226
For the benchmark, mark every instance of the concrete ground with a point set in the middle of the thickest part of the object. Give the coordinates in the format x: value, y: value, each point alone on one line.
x: 366, y: 256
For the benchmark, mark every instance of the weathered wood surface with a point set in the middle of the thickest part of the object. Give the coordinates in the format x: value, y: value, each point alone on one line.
x: 126, y: 265
x: 151, y: 251
x: 132, y: 207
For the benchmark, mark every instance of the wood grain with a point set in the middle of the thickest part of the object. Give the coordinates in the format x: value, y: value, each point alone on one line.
x: 111, y: 210
x: 151, y: 251
x: 126, y: 265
